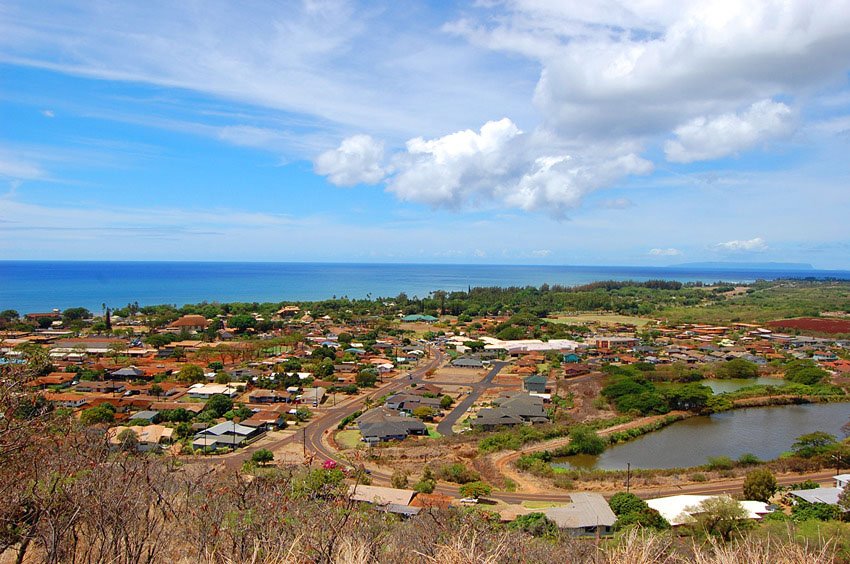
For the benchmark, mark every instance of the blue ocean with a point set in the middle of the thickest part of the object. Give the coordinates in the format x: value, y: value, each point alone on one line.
x: 29, y: 286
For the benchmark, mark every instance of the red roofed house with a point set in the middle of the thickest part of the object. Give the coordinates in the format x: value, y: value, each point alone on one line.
x: 188, y: 323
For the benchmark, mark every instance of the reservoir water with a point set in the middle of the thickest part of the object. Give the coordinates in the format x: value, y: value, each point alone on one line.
x: 734, y: 384
x: 766, y: 432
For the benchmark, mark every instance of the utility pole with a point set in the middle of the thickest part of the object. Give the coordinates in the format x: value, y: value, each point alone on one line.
x: 304, y: 435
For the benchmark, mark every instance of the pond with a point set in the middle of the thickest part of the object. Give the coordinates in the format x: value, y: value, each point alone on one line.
x: 734, y: 384
x: 766, y: 432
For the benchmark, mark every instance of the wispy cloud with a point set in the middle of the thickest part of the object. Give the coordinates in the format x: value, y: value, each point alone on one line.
x: 668, y: 252
x: 756, y: 244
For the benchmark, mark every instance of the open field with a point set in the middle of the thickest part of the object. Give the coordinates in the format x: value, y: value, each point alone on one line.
x: 602, y: 318
x: 456, y: 376
x: 813, y: 324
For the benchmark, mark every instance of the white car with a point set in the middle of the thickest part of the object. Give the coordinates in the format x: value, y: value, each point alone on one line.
x: 469, y: 500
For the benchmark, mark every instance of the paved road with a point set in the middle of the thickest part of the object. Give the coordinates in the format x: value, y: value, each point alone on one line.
x: 321, y: 429
x: 314, y: 430
x: 445, y: 426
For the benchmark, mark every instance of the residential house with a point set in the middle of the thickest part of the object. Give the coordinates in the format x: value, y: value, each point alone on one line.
x: 227, y: 434
x: 54, y: 380
x: 466, y: 362
x: 96, y: 386
x: 190, y: 323
x: 127, y: 373
x: 149, y: 437
x: 822, y: 495
x: 266, y: 421
x: 514, y: 410
x: 381, y: 425
x: 679, y: 509
x: 261, y: 395
x: 206, y: 391
x: 67, y: 399
x: 535, y: 383
x: 587, y: 514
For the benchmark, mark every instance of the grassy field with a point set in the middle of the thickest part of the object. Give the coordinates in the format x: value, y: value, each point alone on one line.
x: 349, y: 439
x: 602, y: 318
x: 766, y: 302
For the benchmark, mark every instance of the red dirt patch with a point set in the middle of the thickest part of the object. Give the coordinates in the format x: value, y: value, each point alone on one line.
x: 815, y: 324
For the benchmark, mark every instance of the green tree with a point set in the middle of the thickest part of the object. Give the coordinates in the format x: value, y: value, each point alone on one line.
x: 813, y: 444
x: 366, y: 378
x: 425, y: 486
x: 804, y: 372
x: 424, y: 413
x: 218, y: 405
x: 222, y: 378
x: 737, y: 368
x: 190, y: 374
x: 262, y: 456
x: 719, y: 516
x: 804, y: 511
x: 759, y: 485
x: 475, y: 490
x: 156, y: 390
x: 399, y: 479
x: 446, y: 401
x: 622, y: 503
x: 535, y: 524
x: 103, y: 413
x: 584, y: 440
x: 215, y: 366
x: 242, y: 322
x: 75, y: 313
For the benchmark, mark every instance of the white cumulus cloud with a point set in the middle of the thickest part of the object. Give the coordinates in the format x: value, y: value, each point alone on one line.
x: 541, y: 253
x: 749, y: 245
x: 501, y: 166
x: 356, y: 161
x: 669, y: 252
x: 710, y: 138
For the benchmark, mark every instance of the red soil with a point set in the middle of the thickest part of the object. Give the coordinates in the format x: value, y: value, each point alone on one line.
x: 819, y: 325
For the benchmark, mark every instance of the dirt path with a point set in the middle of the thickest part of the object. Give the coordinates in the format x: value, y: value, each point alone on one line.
x: 503, y: 461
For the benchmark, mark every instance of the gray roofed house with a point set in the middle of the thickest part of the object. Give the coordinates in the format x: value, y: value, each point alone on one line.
x: 227, y: 434
x: 380, y: 425
x: 128, y: 372
x: 465, y: 362
x: 824, y: 495
x: 147, y: 415
x: 535, y: 383
x: 514, y: 410
x: 409, y: 402
x: 529, y: 408
x: 588, y: 513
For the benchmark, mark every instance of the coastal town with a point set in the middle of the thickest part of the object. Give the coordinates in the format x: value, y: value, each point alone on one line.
x: 432, y: 410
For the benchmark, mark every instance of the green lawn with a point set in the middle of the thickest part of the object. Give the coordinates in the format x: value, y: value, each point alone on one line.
x: 432, y: 431
x: 349, y: 439
x: 604, y: 318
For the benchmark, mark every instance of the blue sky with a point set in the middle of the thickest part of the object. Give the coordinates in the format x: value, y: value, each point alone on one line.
x: 528, y: 131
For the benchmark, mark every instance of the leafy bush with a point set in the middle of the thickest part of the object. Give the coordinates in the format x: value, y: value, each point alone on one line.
x: 720, y: 463
x: 457, y: 473
x: 585, y: 441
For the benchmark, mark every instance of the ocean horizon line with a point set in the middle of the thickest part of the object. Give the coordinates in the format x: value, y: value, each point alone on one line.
x: 702, y: 266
